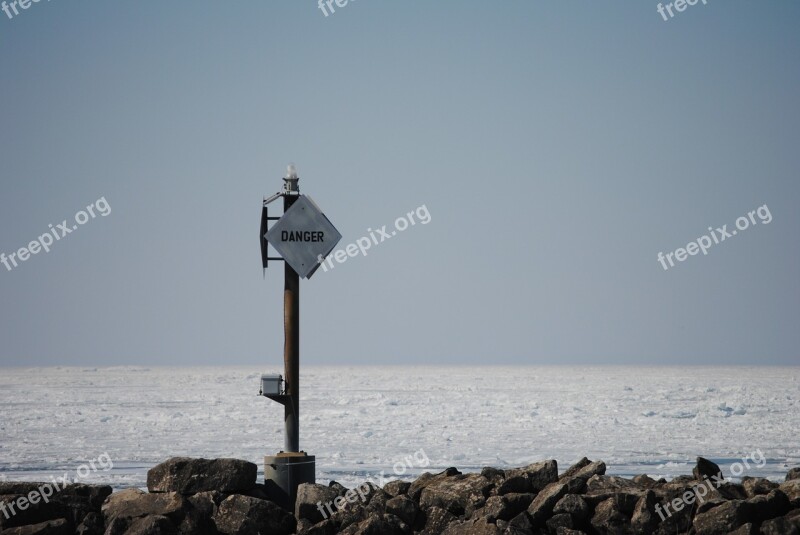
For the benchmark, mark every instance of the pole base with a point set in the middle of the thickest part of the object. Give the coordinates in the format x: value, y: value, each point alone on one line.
x: 284, y: 472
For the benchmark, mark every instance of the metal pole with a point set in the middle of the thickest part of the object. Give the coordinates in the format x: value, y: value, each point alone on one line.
x: 291, y: 348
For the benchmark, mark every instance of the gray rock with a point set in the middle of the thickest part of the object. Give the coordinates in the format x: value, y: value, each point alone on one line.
x: 747, y: 529
x: 559, y: 521
x: 416, y: 488
x: 531, y: 478
x: 645, y: 519
x: 397, y: 488
x: 542, y: 506
x: 792, y: 490
x: 505, y: 507
x: 316, y: 503
x: 608, y: 518
x: 403, y: 508
x: 460, y: 494
x: 724, y: 518
x: 133, y: 503
x: 152, y: 525
x: 243, y: 515
x: 52, y: 527
x: 574, y: 469
x: 190, y: 476
x: 785, y: 525
x: 519, y: 525
x: 477, y: 526
x: 706, y: 469
x: 773, y: 505
x: 573, y: 505
x: 793, y: 473
x: 437, y: 520
x: 755, y: 486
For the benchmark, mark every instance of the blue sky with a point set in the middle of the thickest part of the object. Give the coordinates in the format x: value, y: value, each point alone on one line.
x: 558, y: 146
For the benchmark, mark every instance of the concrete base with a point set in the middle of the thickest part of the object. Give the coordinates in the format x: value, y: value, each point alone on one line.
x: 284, y: 472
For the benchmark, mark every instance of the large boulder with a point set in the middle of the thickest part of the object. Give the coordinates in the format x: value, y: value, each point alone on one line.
x: 706, y: 469
x: 531, y: 478
x: 403, y: 508
x: 542, y: 506
x: 190, y: 476
x: 608, y: 517
x: 793, y: 473
x: 316, y: 503
x: 132, y: 504
x: 244, y: 515
x: 724, y: 518
x: 416, y: 488
x: 461, y: 494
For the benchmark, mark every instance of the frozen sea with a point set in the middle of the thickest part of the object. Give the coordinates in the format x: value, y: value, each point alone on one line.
x: 359, y: 421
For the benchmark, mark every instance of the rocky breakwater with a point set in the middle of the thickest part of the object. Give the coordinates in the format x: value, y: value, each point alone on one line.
x: 221, y: 496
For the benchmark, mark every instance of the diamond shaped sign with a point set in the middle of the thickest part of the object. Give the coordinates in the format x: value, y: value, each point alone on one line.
x: 303, y: 236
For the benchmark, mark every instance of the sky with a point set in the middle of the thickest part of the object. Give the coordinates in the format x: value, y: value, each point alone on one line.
x: 556, y: 147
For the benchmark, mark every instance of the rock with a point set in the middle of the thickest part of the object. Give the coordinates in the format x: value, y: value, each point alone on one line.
x: 133, y: 503
x: 326, y: 527
x: 152, y: 525
x: 747, y: 529
x: 495, y: 475
x: 531, y: 478
x: 381, y: 525
x: 597, y: 468
x: 416, y: 488
x: 437, y: 520
x: 567, y: 531
x: 396, y: 488
x: 644, y: 519
x: 785, y: 525
x: 403, y: 508
x: 92, y: 525
x: 793, y: 473
x: 50, y: 502
x: 773, y: 505
x: 542, y: 506
x: 477, y: 526
x: 190, y: 476
x: 243, y: 515
x: 52, y: 527
x: 460, y: 494
x: 792, y: 490
x: 645, y: 481
x: 559, y: 521
x: 519, y: 525
x: 608, y: 518
x: 722, y: 519
x: 316, y: 503
x: 706, y: 469
x: 573, y: 505
x: 505, y: 507
x: 624, y: 491
x: 574, y: 469
x: 755, y: 486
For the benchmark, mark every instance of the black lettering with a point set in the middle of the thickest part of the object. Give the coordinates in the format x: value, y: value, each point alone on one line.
x: 284, y: 236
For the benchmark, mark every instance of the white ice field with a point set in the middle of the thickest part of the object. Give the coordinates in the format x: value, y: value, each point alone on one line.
x: 359, y: 421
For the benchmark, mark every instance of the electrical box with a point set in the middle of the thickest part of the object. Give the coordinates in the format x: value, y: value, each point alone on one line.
x: 271, y: 385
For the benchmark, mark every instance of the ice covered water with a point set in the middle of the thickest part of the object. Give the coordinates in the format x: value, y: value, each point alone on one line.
x: 361, y: 421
